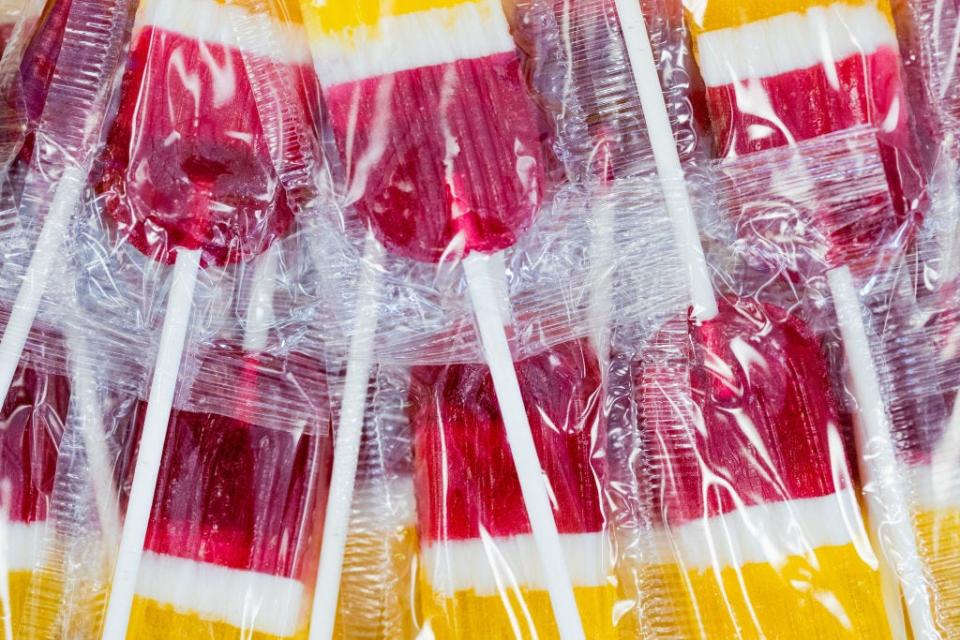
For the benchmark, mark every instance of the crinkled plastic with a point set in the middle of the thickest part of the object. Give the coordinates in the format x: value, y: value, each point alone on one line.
x: 9, y: 13
x: 819, y: 224
x: 779, y: 73
x: 34, y: 416
x: 378, y: 592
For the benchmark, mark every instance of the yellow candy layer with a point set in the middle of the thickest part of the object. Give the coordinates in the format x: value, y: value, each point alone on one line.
x: 334, y: 16
x: 376, y: 599
x: 939, y: 533
x: 19, y: 585
x: 710, y: 15
x: 152, y: 620
x: 836, y: 596
x: 468, y: 616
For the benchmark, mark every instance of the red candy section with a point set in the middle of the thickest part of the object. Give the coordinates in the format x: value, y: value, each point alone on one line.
x: 186, y: 163
x: 237, y: 494
x: 464, y: 473
x: 442, y: 154
x: 31, y: 426
x: 41, y: 55
x: 766, y: 410
x: 791, y: 107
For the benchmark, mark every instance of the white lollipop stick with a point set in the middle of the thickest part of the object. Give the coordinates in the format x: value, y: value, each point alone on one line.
x: 159, y: 406
x: 346, y: 450
x: 667, y: 158
x: 670, y: 170
x: 46, y: 254
x: 496, y: 348
x: 886, y: 488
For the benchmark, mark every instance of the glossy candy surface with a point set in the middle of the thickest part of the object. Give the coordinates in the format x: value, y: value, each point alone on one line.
x: 434, y: 126
x: 31, y: 427
x: 187, y: 163
x: 233, y: 534
x: 753, y: 489
x: 782, y: 72
x: 472, y: 519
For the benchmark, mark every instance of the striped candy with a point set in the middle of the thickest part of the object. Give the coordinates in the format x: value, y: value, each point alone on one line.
x: 762, y: 535
x: 480, y: 573
x: 781, y: 71
x: 187, y: 163
x: 432, y: 121
x: 233, y: 531
x: 33, y: 418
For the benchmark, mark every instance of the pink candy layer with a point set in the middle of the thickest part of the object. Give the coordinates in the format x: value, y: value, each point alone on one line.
x: 186, y: 162
x: 31, y: 426
x: 236, y: 494
x: 464, y: 473
x: 804, y: 104
x: 761, y: 385
x: 461, y: 154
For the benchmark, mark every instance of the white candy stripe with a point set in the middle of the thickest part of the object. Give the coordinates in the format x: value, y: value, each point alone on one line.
x: 413, y: 40
x: 936, y: 489
x: 215, y: 23
x: 792, y: 41
x: 24, y: 544
x: 491, y: 565
x: 767, y: 533
x: 244, y: 599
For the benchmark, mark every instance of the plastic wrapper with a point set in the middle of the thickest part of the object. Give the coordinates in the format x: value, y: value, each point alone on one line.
x: 242, y: 459
x: 469, y: 234
x: 378, y: 594
x: 232, y: 530
x: 25, y: 77
x: 479, y: 575
x: 928, y: 30
x: 9, y: 13
x: 783, y: 72
x: 401, y: 217
x: 937, y: 465
x: 818, y: 224
x: 34, y: 415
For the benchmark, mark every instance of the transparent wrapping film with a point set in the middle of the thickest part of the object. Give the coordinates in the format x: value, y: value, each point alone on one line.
x: 233, y: 531
x: 356, y: 319
x: 379, y: 585
x: 819, y: 232
x: 34, y: 416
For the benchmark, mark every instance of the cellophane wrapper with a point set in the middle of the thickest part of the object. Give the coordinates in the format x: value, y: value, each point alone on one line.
x: 379, y: 586
x: 805, y: 218
x: 561, y: 112
x: 479, y: 571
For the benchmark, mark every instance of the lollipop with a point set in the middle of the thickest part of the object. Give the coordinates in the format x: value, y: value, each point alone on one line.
x: 66, y: 90
x: 783, y: 94
x: 33, y: 422
x: 440, y: 143
x: 477, y: 576
x: 187, y: 179
x: 757, y: 501
x: 380, y: 560
x: 712, y: 326
x: 26, y: 93
x: 230, y: 538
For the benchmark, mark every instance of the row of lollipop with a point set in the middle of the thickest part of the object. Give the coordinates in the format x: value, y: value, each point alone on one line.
x: 469, y: 319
